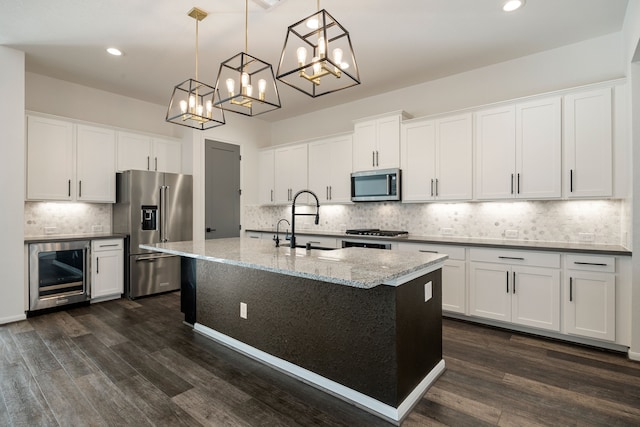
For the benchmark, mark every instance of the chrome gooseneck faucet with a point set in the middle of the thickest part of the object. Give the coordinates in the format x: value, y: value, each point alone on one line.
x: 293, y: 214
x: 276, y: 238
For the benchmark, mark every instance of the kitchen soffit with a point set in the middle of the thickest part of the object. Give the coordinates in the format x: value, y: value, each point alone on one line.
x: 397, y: 45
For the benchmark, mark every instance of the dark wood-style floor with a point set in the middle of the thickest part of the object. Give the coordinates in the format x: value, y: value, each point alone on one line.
x: 134, y: 363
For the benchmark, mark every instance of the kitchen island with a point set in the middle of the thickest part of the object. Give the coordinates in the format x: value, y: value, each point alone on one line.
x: 362, y: 324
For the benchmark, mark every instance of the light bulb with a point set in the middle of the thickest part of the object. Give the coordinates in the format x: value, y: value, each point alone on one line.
x: 231, y: 85
x: 317, y: 66
x: 183, y: 106
x: 199, y: 110
x: 245, y: 79
x: 322, y: 48
x: 344, y: 65
x: 249, y: 90
x: 312, y: 23
x: 302, y: 55
x: 337, y: 56
x: 192, y: 101
x: 262, y: 85
x: 209, y: 107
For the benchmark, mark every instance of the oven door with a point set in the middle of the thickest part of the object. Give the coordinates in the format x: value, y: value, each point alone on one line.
x: 58, y: 273
x: 362, y: 244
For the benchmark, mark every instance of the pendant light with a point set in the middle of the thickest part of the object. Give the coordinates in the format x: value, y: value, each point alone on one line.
x: 317, y: 57
x: 247, y: 84
x: 193, y: 103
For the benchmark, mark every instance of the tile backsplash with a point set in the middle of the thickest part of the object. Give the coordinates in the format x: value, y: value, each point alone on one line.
x: 65, y: 218
x: 589, y: 221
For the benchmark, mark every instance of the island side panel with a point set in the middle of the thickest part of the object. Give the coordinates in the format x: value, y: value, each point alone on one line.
x: 340, y: 332
x: 419, y: 331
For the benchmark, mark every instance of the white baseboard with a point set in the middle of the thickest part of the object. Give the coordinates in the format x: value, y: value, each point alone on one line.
x: 358, y: 399
x: 11, y: 319
x: 634, y: 356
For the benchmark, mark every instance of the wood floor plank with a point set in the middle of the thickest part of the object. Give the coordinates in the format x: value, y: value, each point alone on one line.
x: 36, y: 353
x: 9, y: 350
x: 155, y: 405
x: 110, y: 402
x: 209, y: 412
x: 104, y: 358
x: 484, y: 412
x: 67, y: 402
x: 150, y: 369
x: 105, y: 333
x: 22, y: 398
x: 71, y: 357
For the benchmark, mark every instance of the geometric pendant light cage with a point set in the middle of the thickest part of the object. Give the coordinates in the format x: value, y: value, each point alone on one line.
x: 245, y: 83
x: 193, y: 103
x: 317, y: 57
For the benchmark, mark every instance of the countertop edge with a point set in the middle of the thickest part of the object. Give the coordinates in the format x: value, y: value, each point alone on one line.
x: 70, y: 237
x: 594, y: 249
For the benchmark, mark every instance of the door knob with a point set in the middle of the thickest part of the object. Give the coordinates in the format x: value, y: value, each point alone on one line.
x: 210, y: 230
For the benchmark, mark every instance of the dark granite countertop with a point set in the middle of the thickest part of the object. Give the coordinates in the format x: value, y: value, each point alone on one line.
x: 69, y: 237
x: 587, y: 248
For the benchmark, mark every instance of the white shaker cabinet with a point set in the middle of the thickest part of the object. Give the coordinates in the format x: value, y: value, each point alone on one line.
x: 50, y: 159
x: 266, y: 177
x: 96, y: 164
x: 330, y: 169
x: 588, y: 144
x: 376, y: 143
x: 63, y: 168
x: 107, y: 268
x: 437, y: 159
x: 517, y: 287
x: 143, y: 152
x: 590, y: 297
x: 290, y: 165
x: 518, y: 152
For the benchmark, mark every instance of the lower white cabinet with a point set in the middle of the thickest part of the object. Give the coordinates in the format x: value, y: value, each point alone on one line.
x: 590, y: 297
x: 515, y: 286
x: 454, y: 274
x: 107, y: 264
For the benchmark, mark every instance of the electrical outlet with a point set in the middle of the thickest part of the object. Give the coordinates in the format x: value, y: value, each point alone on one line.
x: 586, y: 237
x: 243, y: 310
x: 50, y: 230
x: 96, y: 228
x: 511, y: 234
x: 428, y: 291
x: 446, y: 231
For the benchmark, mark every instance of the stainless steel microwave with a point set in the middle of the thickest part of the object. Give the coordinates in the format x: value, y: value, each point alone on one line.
x: 376, y: 185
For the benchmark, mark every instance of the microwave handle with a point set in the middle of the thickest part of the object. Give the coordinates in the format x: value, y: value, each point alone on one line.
x: 388, y: 185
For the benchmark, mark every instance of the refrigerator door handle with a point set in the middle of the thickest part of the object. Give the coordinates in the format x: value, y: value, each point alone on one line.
x: 162, y: 240
x: 165, y: 222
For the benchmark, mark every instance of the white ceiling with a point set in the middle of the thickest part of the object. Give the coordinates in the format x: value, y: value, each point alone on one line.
x: 397, y: 43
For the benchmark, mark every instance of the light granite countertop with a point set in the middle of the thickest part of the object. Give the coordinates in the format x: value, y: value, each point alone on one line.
x: 67, y: 237
x: 575, y: 247
x: 357, y: 267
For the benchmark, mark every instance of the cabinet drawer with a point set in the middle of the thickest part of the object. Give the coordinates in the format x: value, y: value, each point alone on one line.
x: 591, y: 263
x: 106, y: 245
x: 454, y: 252
x: 515, y: 257
x: 317, y: 241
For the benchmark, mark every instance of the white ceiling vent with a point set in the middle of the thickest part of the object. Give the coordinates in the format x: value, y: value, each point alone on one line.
x: 268, y: 4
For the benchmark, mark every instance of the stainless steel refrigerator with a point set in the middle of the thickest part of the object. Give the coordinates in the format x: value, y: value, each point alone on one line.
x: 152, y: 207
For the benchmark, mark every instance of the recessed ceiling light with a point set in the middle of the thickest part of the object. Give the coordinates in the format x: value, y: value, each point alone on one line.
x: 115, y: 52
x: 511, y: 5
x: 268, y: 4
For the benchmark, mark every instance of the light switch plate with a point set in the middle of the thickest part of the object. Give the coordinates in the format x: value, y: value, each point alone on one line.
x: 243, y: 310
x: 50, y: 230
x: 511, y: 234
x: 428, y: 291
x: 96, y: 228
x: 586, y: 237
x: 446, y: 231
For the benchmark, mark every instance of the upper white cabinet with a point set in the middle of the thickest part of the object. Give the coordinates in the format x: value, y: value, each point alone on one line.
x: 50, y: 159
x: 330, y: 169
x: 290, y: 164
x: 143, y: 152
x: 376, y: 143
x: 588, y: 144
x: 518, y: 151
x: 96, y: 164
x: 61, y: 167
x: 266, y: 177
x: 437, y: 159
